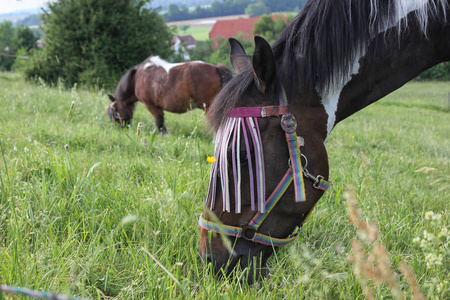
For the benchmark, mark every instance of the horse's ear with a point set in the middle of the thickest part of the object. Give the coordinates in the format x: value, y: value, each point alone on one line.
x: 238, y: 57
x: 111, y: 97
x: 263, y: 62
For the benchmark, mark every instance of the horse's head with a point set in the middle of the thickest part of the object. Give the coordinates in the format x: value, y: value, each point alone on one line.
x: 252, y: 207
x: 119, y: 112
x: 124, y: 100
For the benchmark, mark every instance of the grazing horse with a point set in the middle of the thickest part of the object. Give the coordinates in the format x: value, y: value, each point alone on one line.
x: 273, y: 117
x: 163, y: 86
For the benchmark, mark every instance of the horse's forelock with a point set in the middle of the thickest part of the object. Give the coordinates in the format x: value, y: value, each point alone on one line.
x: 233, y: 94
x: 229, y: 97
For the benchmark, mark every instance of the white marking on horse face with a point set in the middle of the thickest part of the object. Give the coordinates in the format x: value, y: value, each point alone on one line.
x: 159, y: 62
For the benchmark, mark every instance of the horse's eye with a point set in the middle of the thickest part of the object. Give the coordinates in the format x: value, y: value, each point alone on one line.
x: 243, y: 156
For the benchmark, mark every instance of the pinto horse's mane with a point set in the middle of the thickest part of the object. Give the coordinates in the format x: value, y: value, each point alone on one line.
x: 321, y: 46
x: 327, y: 38
x: 126, y: 81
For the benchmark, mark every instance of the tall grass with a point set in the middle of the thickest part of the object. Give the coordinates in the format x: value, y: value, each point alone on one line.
x: 99, y: 212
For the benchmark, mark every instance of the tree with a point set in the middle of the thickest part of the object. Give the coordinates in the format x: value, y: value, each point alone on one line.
x: 217, y: 7
x: 269, y: 28
x: 438, y: 72
x: 6, y: 46
x: 257, y: 9
x: 13, y: 39
x: 7, y: 34
x: 284, y: 5
x: 32, y: 20
x: 174, y: 13
x: 202, y: 50
x: 94, y: 41
x: 25, y: 38
x: 184, y: 28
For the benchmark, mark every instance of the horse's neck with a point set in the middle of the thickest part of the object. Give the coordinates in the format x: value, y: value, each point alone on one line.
x: 391, y: 67
x: 130, y: 97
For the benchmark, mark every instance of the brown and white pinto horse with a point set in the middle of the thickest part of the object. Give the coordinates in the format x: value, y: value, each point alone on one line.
x: 163, y: 86
x: 336, y: 58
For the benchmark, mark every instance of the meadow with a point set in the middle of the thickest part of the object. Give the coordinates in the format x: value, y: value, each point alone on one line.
x: 198, y: 32
x: 100, y: 212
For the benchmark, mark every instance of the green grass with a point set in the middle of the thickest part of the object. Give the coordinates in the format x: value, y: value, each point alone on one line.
x: 84, y: 207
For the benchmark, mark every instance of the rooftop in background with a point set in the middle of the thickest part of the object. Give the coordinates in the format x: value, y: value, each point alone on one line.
x: 188, y: 40
x: 231, y: 28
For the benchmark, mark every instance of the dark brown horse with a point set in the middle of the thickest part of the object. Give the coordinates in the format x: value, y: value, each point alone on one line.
x: 163, y: 86
x: 336, y: 58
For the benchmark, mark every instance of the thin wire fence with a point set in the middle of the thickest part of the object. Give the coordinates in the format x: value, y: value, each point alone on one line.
x: 35, y: 294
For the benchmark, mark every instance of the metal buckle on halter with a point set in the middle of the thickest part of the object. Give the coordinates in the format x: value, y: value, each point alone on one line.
x: 316, y: 183
x: 263, y: 112
x: 316, y: 180
x: 248, y: 233
x: 288, y: 127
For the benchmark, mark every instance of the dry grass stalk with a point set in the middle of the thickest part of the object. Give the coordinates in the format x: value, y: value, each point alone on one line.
x: 138, y: 129
x: 412, y: 282
x: 374, y: 268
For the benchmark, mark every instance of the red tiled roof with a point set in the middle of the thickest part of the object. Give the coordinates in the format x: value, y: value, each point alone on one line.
x: 231, y: 28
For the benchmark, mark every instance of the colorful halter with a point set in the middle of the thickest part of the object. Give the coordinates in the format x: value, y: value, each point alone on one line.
x: 246, y: 117
x: 113, y: 113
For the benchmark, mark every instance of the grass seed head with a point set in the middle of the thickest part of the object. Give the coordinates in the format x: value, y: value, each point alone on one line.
x: 138, y: 129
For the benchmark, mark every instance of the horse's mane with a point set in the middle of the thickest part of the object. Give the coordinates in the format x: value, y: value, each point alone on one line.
x: 319, y: 48
x: 125, y: 89
x: 328, y: 36
x: 229, y: 95
x: 126, y: 82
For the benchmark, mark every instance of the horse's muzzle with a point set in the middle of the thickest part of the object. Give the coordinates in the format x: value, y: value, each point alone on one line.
x: 251, y: 258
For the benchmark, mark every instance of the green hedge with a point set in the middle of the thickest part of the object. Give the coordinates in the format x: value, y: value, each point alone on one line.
x: 438, y: 72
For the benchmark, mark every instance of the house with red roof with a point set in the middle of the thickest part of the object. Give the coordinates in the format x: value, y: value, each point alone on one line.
x: 231, y: 28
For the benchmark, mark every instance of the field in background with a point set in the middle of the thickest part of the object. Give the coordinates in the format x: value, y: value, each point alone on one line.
x: 199, y: 28
x: 89, y: 209
x: 200, y: 33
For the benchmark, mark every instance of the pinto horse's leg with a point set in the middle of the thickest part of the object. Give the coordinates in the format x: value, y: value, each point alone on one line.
x: 160, y: 123
x: 158, y: 114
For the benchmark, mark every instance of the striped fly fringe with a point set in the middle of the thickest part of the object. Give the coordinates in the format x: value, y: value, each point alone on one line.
x: 229, y: 136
